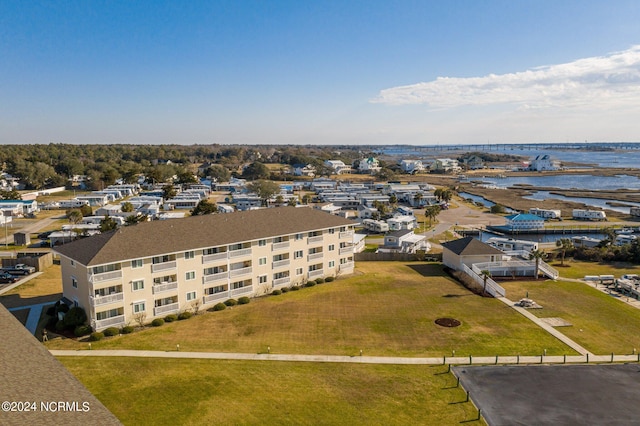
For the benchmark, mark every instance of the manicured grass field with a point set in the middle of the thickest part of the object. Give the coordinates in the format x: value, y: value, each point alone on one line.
x: 385, y: 309
x: 179, y: 391
x: 601, y: 323
x: 578, y: 269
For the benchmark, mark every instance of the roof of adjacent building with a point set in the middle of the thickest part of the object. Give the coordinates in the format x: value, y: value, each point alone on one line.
x: 161, y: 237
x: 31, y: 373
x: 470, y: 246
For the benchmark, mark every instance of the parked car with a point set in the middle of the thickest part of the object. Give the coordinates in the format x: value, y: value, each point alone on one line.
x: 6, y: 278
x: 19, y: 269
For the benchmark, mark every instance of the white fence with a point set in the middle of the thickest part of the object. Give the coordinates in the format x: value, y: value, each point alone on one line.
x: 492, y: 287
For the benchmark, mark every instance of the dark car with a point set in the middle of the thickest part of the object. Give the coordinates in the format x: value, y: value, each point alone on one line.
x: 7, y: 278
x: 19, y: 269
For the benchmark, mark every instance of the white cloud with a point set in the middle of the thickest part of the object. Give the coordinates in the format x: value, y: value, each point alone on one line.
x: 603, y: 82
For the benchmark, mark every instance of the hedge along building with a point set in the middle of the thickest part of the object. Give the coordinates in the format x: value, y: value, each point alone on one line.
x: 157, y: 268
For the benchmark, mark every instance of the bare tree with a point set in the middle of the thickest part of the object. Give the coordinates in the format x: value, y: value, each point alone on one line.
x: 140, y: 318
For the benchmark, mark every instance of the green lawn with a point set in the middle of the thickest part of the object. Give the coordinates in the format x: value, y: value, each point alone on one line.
x: 385, y: 309
x: 268, y: 393
x: 578, y: 269
x: 601, y: 323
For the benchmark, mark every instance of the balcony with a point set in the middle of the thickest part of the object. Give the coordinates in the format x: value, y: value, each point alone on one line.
x: 314, y: 256
x: 316, y: 239
x: 210, y: 298
x: 316, y: 273
x: 346, y: 250
x: 111, y: 298
x: 242, y: 290
x: 207, y: 258
x: 165, y: 309
x: 281, y: 281
x: 280, y: 263
x: 346, y: 266
x: 220, y: 276
x: 105, y: 276
x: 163, y: 266
x: 238, y: 253
x: 345, y: 235
x: 109, y: 322
x: 239, y: 272
x: 163, y: 287
x: 280, y: 246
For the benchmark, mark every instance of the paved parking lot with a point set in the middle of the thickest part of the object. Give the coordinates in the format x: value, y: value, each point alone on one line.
x: 554, y: 394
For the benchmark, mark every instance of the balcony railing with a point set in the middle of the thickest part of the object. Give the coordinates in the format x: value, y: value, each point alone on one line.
x: 209, y: 298
x: 238, y: 253
x: 346, y: 266
x: 103, y: 300
x: 318, y: 255
x: 166, y: 286
x: 280, y: 263
x: 346, y: 250
x: 105, y: 276
x: 281, y: 281
x: 345, y: 235
x: 242, y: 290
x: 220, y: 276
x: 316, y: 273
x: 213, y: 257
x: 316, y: 239
x: 108, y: 322
x: 280, y: 246
x: 240, y: 272
x: 163, y: 266
x: 171, y: 307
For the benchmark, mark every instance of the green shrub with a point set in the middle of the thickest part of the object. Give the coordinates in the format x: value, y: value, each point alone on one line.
x: 285, y: 290
x: 157, y: 322
x: 127, y: 329
x: 243, y: 300
x: 319, y: 280
x: 231, y: 302
x: 310, y: 284
x: 75, y: 317
x: 82, y: 330
x: 276, y: 292
x: 111, y: 331
x: 295, y: 288
x: 219, y: 307
x: 63, y: 307
x: 171, y: 318
x: 51, y: 311
x: 184, y: 315
x: 51, y: 323
x: 95, y: 336
x: 59, y: 325
x: 329, y: 279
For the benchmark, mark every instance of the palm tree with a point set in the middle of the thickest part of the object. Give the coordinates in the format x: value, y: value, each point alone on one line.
x: 537, y: 255
x: 432, y: 212
x: 417, y: 199
x: 564, y: 244
x: 486, y: 274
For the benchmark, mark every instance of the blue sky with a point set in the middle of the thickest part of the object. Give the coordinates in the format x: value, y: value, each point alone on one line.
x: 327, y: 72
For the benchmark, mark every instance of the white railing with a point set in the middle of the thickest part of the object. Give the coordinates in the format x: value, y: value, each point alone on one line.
x: 103, y: 300
x: 281, y: 281
x: 163, y: 266
x: 215, y: 256
x: 280, y: 263
x: 216, y: 296
x: 316, y: 239
x: 105, y: 276
x: 171, y: 307
x: 548, y: 270
x: 108, y: 322
x: 345, y: 266
x: 345, y: 234
x: 346, y: 250
x: 280, y: 246
x: 242, y: 290
x: 493, y: 288
x: 313, y: 256
x: 238, y: 253
x: 220, y: 276
x: 316, y: 273
x: 166, y: 286
x: 239, y: 272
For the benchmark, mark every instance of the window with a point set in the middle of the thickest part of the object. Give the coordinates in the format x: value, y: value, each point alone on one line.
x: 299, y: 271
x: 189, y: 254
x: 74, y: 282
x: 262, y: 261
x: 137, y: 285
x: 138, y: 307
x: 191, y: 275
x: 299, y: 254
x: 262, y: 279
x: 106, y: 268
x: 73, y: 263
x: 299, y: 237
x: 262, y: 243
x: 332, y: 264
x: 136, y: 263
x: 332, y: 231
x: 191, y: 296
x: 332, y: 247
x: 163, y: 259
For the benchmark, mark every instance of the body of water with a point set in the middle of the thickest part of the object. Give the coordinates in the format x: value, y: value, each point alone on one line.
x: 600, y: 203
x: 569, y: 181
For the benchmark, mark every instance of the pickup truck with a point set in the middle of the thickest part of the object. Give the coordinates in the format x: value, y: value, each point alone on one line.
x: 6, y: 278
x: 19, y: 269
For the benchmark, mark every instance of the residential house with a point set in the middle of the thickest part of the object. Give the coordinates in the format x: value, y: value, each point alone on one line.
x: 156, y: 268
x: 544, y: 162
x: 304, y: 170
x: 522, y: 221
x: 467, y: 251
x: 412, y: 166
x: 338, y: 166
x: 404, y: 241
x: 445, y: 165
x: 400, y: 222
x: 369, y: 165
x: 472, y: 162
x: 19, y: 207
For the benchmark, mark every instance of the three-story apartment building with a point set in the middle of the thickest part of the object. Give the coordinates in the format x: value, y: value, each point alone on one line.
x: 156, y: 268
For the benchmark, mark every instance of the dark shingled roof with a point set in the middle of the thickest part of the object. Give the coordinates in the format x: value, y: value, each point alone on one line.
x: 174, y: 235
x: 470, y: 246
x: 30, y: 373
